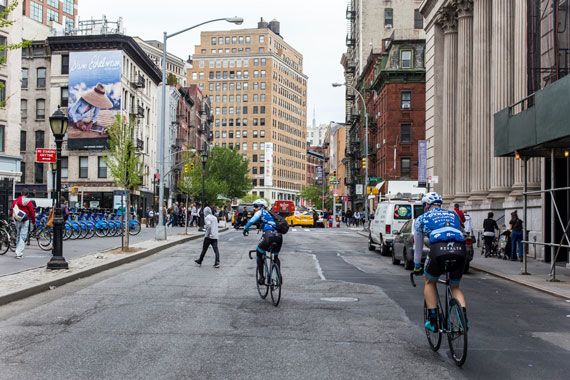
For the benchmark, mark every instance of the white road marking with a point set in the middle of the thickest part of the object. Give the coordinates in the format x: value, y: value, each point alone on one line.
x: 307, y: 230
x: 343, y: 259
x: 318, y: 266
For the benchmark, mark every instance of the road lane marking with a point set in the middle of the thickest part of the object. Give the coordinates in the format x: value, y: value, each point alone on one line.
x: 318, y: 266
x: 339, y: 299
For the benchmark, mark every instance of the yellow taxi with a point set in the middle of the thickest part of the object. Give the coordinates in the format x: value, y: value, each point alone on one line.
x: 300, y: 219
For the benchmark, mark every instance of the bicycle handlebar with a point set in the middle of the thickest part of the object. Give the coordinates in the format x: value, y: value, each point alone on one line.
x: 249, y: 253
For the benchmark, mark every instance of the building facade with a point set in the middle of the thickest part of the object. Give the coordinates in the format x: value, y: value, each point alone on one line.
x: 175, y: 66
x: 52, y: 12
x: 336, y: 164
x: 476, y: 65
x: 258, y: 91
x: 84, y: 172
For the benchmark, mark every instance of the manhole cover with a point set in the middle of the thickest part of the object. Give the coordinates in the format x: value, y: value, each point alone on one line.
x: 339, y: 299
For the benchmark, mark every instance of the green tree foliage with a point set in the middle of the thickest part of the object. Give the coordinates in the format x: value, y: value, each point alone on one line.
x: 250, y: 198
x: 314, y: 194
x: 225, y: 175
x: 171, y: 80
x: 5, y: 23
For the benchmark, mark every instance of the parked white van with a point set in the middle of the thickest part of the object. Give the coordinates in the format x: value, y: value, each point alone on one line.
x: 389, y: 217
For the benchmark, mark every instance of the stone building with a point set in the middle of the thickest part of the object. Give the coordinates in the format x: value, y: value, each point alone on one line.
x: 476, y: 65
x: 255, y: 82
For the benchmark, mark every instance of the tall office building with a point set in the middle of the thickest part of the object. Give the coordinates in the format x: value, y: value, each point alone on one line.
x: 258, y: 92
x: 52, y: 12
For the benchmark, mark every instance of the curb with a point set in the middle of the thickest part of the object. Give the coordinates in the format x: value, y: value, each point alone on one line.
x: 31, y: 291
x: 516, y: 281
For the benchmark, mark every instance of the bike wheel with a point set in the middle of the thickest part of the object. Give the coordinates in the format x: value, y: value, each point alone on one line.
x: 134, y: 228
x: 4, y: 241
x: 45, y: 240
x: 275, y: 284
x: 261, y: 289
x: 101, y: 231
x: 434, y: 339
x: 457, y: 334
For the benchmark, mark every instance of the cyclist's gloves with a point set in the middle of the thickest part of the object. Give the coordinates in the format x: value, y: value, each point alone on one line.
x: 418, y: 269
x: 245, y: 232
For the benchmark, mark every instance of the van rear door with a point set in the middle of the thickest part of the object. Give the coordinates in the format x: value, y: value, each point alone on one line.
x: 402, y: 212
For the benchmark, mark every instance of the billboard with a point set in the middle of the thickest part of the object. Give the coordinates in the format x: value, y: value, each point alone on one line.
x: 268, y: 175
x: 94, y: 97
x: 422, y: 163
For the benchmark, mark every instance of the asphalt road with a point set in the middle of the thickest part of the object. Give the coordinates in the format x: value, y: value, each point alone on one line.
x: 164, y: 317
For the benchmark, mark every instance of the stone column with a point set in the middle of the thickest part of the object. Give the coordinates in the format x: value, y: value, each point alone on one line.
x: 521, y: 91
x: 481, y: 115
x: 502, y: 89
x: 448, y: 22
x: 463, y: 164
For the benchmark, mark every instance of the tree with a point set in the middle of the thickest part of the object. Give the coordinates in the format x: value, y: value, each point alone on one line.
x: 124, y: 163
x: 250, y: 198
x: 314, y: 194
x: 225, y: 175
x: 5, y: 23
x: 171, y: 79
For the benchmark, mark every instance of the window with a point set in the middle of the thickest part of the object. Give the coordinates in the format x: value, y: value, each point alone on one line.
x: 2, y: 138
x: 405, y: 133
x: 418, y: 19
x: 3, y: 53
x: 247, y: 39
x: 25, y: 75
x: 254, y: 170
x: 101, y: 168
x: 406, y: 99
x: 41, y: 77
x: 52, y: 15
x: 22, y: 141
x: 2, y: 92
x: 40, y: 139
x: 406, y: 59
x: 64, y: 97
x: 53, y: 3
x: 64, y: 167
x: 220, y: 40
x: 254, y: 132
x: 405, y: 168
x: 244, y: 110
x: 227, y: 40
x: 36, y: 11
x: 83, y: 167
x: 261, y: 39
x: 240, y: 40
x: 68, y: 6
x: 24, y: 109
x: 255, y: 110
x: 65, y: 64
x: 254, y: 157
x: 38, y: 173
x: 214, y: 40
x: 388, y: 18
x: 262, y: 109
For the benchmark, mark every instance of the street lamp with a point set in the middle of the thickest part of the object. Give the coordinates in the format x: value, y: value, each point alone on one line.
x: 58, y: 124
x: 160, y: 232
x: 365, y: 146
x: 204, y: 157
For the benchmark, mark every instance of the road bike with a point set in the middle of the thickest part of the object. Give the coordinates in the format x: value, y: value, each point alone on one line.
x: 272, y: 276
x: 451, y: 321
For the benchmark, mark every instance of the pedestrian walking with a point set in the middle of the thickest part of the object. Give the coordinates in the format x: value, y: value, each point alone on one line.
x: 194, y: 215
x: 23, y: 213
x: 516, y: 227
x: 489, y: 228
x: 151, y: 218
x: 459, y: 213
x: 210, y: 237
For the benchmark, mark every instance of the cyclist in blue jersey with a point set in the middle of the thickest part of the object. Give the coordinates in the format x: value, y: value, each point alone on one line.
x: 270, y: 235
x: 443, y: 228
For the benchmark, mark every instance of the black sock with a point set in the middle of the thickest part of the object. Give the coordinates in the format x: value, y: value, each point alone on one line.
x: 432, y: 313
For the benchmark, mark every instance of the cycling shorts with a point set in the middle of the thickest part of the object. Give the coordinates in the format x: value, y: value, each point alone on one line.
x: 269, y: 238
x: 439, y: 254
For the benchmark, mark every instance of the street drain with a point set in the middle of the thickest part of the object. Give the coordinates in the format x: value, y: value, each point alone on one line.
x: 339, y: 299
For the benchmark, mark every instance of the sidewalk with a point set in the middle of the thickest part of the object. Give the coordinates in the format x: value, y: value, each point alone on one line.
x: 29, y: 282
x: 511, y: 271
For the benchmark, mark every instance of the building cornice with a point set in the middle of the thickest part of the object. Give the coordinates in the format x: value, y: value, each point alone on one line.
x: 107, y: 42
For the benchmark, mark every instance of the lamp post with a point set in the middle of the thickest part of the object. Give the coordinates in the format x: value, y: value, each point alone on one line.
x: 365, y: 147
x: 204, y: 157
x: 58, y: 124
x: 160, y: 232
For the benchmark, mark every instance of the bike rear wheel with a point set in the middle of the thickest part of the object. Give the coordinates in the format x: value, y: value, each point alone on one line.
x: 261, y: 289
x: 4, y: 241
x: 457, y: 334
x: 434, y: 338
x: 45, y: 240
x: 134, y: 228
x: 275, y: 284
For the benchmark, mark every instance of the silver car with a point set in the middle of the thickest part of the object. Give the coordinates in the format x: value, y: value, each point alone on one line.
x: 404, y: 246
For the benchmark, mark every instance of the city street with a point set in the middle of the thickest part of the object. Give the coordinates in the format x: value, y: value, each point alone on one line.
x: 345, y: 313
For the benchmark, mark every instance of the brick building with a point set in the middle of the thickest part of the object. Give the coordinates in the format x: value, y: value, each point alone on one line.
x: 51, y: 12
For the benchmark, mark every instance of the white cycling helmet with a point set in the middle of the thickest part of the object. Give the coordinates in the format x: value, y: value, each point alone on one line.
x: 260, y: 203
x: 432, y: 198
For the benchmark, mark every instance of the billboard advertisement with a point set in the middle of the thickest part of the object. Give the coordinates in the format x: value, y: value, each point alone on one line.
x: 422, y: 163
x: 94, y: 97
x: 268, y: 175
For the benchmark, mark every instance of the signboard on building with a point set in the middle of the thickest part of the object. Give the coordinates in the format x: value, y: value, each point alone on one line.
x: 94, y: 97
x: 422, y: 163
x: 359, y: 189
x: 268, y: 174
x: 45, y: 156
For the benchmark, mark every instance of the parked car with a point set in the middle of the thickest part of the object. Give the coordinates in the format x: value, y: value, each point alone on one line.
x: 403, y: 246
x: 389, y: 217
x: 300, y: 219
x: 242, y: 214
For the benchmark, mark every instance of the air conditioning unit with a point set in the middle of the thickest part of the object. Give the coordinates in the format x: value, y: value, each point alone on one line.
x: 406, y: 106
x: 388, y: 26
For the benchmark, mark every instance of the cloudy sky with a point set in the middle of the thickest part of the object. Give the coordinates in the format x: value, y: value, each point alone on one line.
x: 316, y: 28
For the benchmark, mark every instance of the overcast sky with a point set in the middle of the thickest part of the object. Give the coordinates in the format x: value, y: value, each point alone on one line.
x: 316, y: 28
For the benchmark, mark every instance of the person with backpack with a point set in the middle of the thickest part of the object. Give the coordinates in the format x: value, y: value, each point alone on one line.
x: 273, y: 227
x: 23, y: 213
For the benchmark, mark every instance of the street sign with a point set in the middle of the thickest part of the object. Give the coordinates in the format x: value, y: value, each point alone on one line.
x: 433, y: 179
x: 359, y: 189
x: 374, y: 179
x: 332, y: 179
x: 44, y: 155
x: 422, y: 163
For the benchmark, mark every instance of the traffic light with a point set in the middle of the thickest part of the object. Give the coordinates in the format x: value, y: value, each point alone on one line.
x: 334, y: 173
x: 188, y: 167
x: 364, y: 163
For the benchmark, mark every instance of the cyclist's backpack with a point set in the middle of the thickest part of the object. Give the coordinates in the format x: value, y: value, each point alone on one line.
x: 281, y: 224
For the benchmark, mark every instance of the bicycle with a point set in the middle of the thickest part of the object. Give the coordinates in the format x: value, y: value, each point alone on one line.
x: 452, y: 322
x: 272, y: 277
